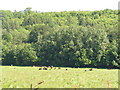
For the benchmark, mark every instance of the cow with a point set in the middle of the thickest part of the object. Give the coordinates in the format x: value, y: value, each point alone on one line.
x: 59, y: 68
x: 45, y: 68
x: 90, y: 69
x: 40, y: 68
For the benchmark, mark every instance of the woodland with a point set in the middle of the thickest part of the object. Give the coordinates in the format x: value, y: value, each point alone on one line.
x: 62, y: 39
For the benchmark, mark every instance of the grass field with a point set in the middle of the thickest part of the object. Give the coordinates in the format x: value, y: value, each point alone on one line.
x: 23, y: 77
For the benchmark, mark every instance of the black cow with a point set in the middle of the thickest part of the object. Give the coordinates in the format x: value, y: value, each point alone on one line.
x: 90, y: 69
x: 40, y: 68
x: 44, y: 68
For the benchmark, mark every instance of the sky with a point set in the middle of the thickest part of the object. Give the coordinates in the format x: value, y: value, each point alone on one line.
x: 58, y: 5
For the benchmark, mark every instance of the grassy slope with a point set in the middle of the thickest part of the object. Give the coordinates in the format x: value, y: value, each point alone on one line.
x: 23, y: 77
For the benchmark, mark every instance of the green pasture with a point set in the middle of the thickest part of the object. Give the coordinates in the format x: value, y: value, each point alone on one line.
x: 24, y: 77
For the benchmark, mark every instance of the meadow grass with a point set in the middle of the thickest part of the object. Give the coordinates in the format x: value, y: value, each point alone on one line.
x: 23, y: 77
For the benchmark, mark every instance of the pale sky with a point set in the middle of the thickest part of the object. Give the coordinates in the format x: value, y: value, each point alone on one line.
x: 58, y: 5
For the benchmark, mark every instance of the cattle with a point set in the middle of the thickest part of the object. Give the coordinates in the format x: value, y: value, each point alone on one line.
x: 48, y: 67
x: 45, y: 68
x: 90, y: 69
x: 51, y: 67
x: 40, y: 68
x: 59, y: 68
x: 66, y: 69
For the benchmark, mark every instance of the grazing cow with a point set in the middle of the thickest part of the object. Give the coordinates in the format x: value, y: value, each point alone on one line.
x: 66, y: 69
x: 59, y: 68
x: 44, y: 68
x: 51, y: 67
x: 90, y: 69
x: 40, y: 68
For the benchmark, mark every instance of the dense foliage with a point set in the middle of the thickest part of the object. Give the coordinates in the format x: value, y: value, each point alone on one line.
x: 69, y: 38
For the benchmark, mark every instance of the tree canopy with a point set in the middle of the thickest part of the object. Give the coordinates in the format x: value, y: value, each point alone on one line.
x: 69, y: 38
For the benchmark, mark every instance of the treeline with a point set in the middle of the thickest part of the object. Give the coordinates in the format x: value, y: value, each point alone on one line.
x: 69, y: 38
